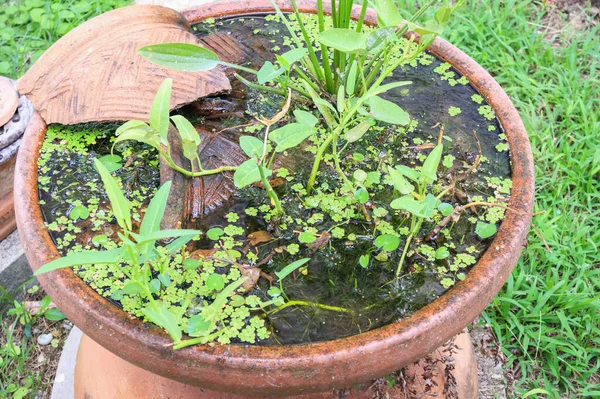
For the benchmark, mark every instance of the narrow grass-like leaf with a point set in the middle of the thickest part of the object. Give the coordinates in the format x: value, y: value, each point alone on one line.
x: 82, y: 258
x: 118, y: 202
x: 159, y: 112
x: 181, y: 56
x: 286, y: 271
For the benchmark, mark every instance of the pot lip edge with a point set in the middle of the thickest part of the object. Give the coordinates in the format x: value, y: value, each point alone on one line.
x: 406, y: 329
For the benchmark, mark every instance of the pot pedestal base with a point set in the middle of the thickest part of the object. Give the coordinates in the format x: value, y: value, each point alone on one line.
x: 99, y: 374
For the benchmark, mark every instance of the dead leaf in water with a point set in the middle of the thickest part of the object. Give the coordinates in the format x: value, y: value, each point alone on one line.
x: 252, y: 274
x: 321, y: 241
x: 276, y: 182
x: 202, y: 253
x: 258, y: 237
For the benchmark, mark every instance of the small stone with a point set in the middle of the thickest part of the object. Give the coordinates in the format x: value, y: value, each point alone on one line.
x: 44, y: 339
x: 67, y: 325
x: 41, y: 358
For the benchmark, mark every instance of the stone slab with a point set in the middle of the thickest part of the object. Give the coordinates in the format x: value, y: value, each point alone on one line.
x: 64, y: 382
x: 14, y: 268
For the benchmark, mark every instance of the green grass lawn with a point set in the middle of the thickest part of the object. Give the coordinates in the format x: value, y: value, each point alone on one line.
x: 547, y: 316
x: 29, y: 27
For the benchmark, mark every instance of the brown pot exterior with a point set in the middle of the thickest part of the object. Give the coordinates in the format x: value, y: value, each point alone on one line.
x: 296, y: 369
x: 8, y: 223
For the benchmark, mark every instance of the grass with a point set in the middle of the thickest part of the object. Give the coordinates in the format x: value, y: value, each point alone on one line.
x: 547, y: 315
x: 26, y: 368
x: 29, y: 27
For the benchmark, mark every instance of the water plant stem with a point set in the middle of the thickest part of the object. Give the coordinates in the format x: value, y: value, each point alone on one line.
x: 310, y: 304
x: 270, y: 192
x: 202, y: 172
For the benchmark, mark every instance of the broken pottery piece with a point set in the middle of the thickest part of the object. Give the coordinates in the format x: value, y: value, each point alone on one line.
x: 95, y: 74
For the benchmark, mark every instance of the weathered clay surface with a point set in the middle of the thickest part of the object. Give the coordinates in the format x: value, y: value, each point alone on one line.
x: 295, y: 369
x: 9, y: 99
x: 94, y: 73
x: 191, y: 199
x: 449, y: 372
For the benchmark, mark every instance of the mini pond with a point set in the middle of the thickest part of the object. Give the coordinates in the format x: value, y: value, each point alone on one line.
x: 350, y: 277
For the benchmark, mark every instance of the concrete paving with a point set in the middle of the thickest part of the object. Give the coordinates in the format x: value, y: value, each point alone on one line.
x: 64, y: 381
x: 14, y: 269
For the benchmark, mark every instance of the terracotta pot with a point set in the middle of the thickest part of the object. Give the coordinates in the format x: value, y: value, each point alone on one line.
x: 296, y: 369
x: 8, y: 223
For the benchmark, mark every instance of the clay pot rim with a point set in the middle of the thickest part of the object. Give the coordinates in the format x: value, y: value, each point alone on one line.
x: 304, y: 367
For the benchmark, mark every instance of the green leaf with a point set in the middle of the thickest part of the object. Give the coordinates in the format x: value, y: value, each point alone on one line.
x: 190, y: 139
x: 305, y: 118
x: 252, y: 146
x: 154, y: 285
x: 248, y: 173
x: 118, y: 202
x: 306, y: 237
x: 82, y: 258
x: 54, y: 314
x: 144, y: 135
x: 443, y: 14
x: 387, y: 13
x: 165, y: 279
x: 359, y: 175
x: 215, y: 233
x: 378, y: 37
x: 388, y: 242
x: 191, y: 264
x: 220, y: 300
x: 154, y: 214
x: 340, y: 99
x: 159, y: 112
x: 132, y: 124
x: 442, y: 253
x: 293, y: 55
x: 79, y: 212
x: 268, y: 72
x: 357, y: 132
x: 179, y: 243
x: 111, y: 162
x: 351, y: 79
x: 99, y: 239
x: 133, y: 288
x: 409, y: 204
x: 445, y: 208
x: 286, y: 271
x: 364, y: 260
x: 375, y: 91
x: 291, y: 135
x: 431, y: 27
x: 197, y: 325
x: 20, y: 393
x: 409, y: 172
x: 215, y: 282
x: 485, y: 230
x: 431, y: 164
x: 345, y: 40
x: 400, y: 183
x: 388, y: 112
x: 361, y: 195
x: 181, y: 56
x: 161, y: 315
x: 323, y: 106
